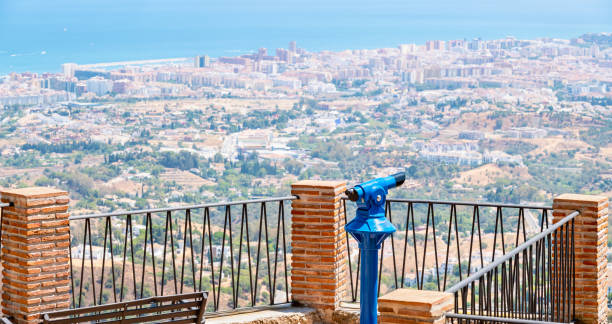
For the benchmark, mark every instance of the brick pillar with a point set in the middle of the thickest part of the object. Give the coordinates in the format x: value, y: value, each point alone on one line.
x: 413, y: 306
x: 591, y: 239
x: 319, y: 268
x: 35, y: 253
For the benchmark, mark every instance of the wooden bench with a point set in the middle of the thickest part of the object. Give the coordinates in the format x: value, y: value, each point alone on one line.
x: 184, y: 308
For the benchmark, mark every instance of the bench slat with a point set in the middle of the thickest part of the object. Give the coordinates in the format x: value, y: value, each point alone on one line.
x: 144, y: 319
x: 132, y: 303
x: 130, y: 312
x: 185, y: 308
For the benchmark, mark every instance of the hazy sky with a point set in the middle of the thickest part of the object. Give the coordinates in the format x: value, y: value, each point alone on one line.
x: 41, y: 12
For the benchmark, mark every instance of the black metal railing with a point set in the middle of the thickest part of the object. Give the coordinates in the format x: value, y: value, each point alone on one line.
x: 129, y: 255
x: 439, y: 243
x: 533, y: 283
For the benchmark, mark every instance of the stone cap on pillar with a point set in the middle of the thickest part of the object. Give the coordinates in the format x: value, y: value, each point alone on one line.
x: 34, y: 192
x: 34, y: 196
x: 422, y: 305
x: 323, y: 184
x: 311, y: 188
x: 586, y: 198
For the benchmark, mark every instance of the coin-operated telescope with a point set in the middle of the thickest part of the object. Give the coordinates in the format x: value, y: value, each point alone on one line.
x: 370, y: 228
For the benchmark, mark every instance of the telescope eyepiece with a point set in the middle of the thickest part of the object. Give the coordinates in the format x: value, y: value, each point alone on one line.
x: 352, y: 194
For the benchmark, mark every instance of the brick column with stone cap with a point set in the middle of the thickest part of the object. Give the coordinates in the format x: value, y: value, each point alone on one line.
x: 319, y: 268
x: 411, y: 306
x: 591, y: 249
x: 35, y: 253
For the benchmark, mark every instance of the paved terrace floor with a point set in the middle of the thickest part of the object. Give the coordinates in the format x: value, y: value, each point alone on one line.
x: 348, y: 314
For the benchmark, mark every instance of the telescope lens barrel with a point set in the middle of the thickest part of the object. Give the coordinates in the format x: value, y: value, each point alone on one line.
x: 399, y: 178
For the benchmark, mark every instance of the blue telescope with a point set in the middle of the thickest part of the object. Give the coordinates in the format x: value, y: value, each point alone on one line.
x: 370, y: 228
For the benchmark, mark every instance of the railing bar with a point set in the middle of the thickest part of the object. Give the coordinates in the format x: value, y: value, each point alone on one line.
x: 393, y: 247
x: 496, y: 319
x: 169, y: 214
x: 124, y: 259
x: 406, y: 248
x: 525, y: 281
x: 153, y: 254
x: 222, y: 256
x: 501, y: 223
x: 457, y: 237
x: 514, y: 252
x: 509, y: 285
x: 166, y: 209
x: 258, y: 246
x: 564, y: 273
x: 416, y: 259
x: 479, y: 237
x: 235, y: 292
x: 202, y: 251
x: 268, y: 253
x: 466, y: 203
x: 164, y: 257
x: 448, y: 246
x: 278, y: 231
x: 425, y: 246
x: 489, y: 305
x: 132, y: 256
x: 502, y: 289
x: 193, y: 271
x: 473, y: 301
x: 469, y: 268
x: 482, y: 298
x: 144, y: 259
x: 573, y: 264
x: 495, y: 237
x: 348, y: 250
x: 555, y: 276
x: 530, y: 291
x: 187, y: 213
x: 246, y: 221
x: 433, y: 228
x: 93, y: 282
x: 228, y: 210
x: 524, y: 223
x: 549, y: 292
x: 103, y: 260
x: 536, y: 282
x: 82, y: 263
x: 110, y: 239
x: 211, y: 258
x: 282, y: 207
x: 495, y: 292
x: 518, y: 227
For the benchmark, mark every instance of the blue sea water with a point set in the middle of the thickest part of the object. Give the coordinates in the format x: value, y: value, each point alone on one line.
x: 40, y: 35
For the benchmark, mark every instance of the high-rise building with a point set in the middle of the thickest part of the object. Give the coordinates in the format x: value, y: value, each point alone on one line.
x: 201, y: 61
x: 407, y: 48
x: 435, y: 45
x: 292, y: 46
x: 68, y: 69
x: 413, y: 76
x: 99, y: 86
x: 476, y: 44
x: 261, y: 53
x: 282, y: 54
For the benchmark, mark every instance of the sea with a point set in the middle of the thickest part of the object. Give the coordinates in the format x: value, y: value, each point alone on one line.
x: 40, y: 35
